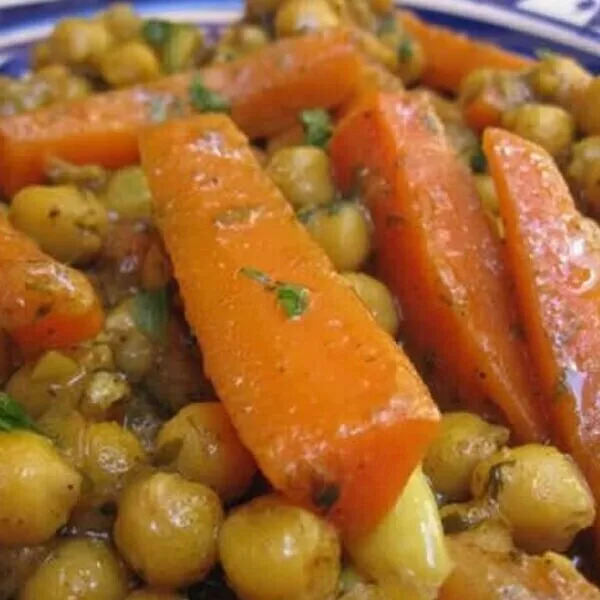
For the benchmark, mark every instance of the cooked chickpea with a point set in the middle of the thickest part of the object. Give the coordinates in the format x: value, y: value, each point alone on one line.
x: 583, y: 173
x: 134, y: 355
x: 38, y: 489
x: 79, y: 41
x: 303, y: 174
x: 122, y: 21
x: 148, y: 594
x: 132, y: 62
x: 53, y: 379
x: 208, y: 449
x: 66, y: 427
x: 181, y: 47
x: 239, y: 40
x: 78, y: 569
x: 343, y: 232
x: 16, y: 566
x: 167, y: 529
x: 110, y: 454
x: 128, y: 194
x: 559, y: 79
x: 464, y: 440
x: 588, y: 116
x: 296, y: 17
x: 271, y: 550
x: 541, y: 493
x: 258, y: 8
x: 377, y: 299
x: 549, y: 126
x: 102, y: 393
x: 68, y: 223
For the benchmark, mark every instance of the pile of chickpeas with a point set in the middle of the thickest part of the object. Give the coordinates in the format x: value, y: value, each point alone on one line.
x: 135, y: 485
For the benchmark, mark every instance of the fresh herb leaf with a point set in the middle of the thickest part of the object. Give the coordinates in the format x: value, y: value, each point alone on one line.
x: 317, y: 126
x: 156, y: 32
x: 478, y: 161
x: 496, y: 478
x: 151, y: 313
x: 292, y: 298
x: 205, y: 100
x: 13, y: 416
x: 388, y: 24
x: 405, y: 50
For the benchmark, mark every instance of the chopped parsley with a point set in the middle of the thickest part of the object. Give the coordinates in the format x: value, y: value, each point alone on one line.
x: 478, y: 161
x: 151, y: 313
x: 206, y: 100
x: 317, y: 126
x: 13, y: 416
x: 156, y: 32
x: 292, y: 298
x: 405, y: 51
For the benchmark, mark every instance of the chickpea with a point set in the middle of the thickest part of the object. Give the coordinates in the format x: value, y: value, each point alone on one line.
x: 377, y: 298
x: 343, y: 232
x: 181, y: 48
x: 583, y: 174
x: 16, y: 566
x: 78, y: 569
x: 128, y: 194
x: 559, y: 79
x: 79, y: 41
x: 296, y: 17
x: 135, y: 355
x: 53, y: 379
x: 464, y: 441
x: 407, y: 545
x: 551, y: 127
x: 37, y: 489
x: 148, y: 594
x: 588, y: 116
x: 267, y: 535
x: 541, y: 493
x: 303, y: 174
x: 103, y: 392
x: 110, y: 454
x: 208, y: 449
x: 122, y: 21
x: 240, y: 40
x: 130, y: 63
x: 167, y: 529
x: 66, y: 427
x: 68, y: 223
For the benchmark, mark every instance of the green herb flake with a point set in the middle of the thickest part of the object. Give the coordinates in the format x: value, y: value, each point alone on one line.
x: 206, y: 100
x: 292, y: 298
x: 405, y: 51
x: 151, y: 313
x: 478, y: 161
x: 156, y: 32
x: 13, y: 416
x: 317, y: 126
x: 496, y: 478
x: 388, y: 24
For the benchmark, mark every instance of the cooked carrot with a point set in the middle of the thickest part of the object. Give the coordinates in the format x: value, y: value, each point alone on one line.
x: 334, y: 413
x: 554, y: 255
x: 265, y: 90
x: 438, y: 255
x: 484, y: 111
x: 451, y: 56
x: 43, y: 303
x: 486, y: 573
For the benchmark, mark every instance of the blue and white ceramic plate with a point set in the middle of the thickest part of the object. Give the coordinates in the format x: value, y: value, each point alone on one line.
x: 568, y: 26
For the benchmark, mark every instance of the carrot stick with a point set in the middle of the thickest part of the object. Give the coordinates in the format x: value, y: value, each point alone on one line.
x: 438, y: 255
x: 554, y: 255
x: 266, y: 90
x: 43, y: 303
x: 334, y: 413
x: 451, y: 56
x: 486, y: 573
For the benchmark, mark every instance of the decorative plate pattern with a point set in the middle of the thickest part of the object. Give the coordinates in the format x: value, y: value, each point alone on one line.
x: 569, y: 26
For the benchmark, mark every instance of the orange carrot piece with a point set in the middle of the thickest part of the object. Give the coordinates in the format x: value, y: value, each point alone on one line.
x: 438, y: 255
x: 451, y: 56
x: 483, y: 573
x: 43, y: 303
x: 554, y: 255
x: 334, y: 413
x: 266, y: 90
